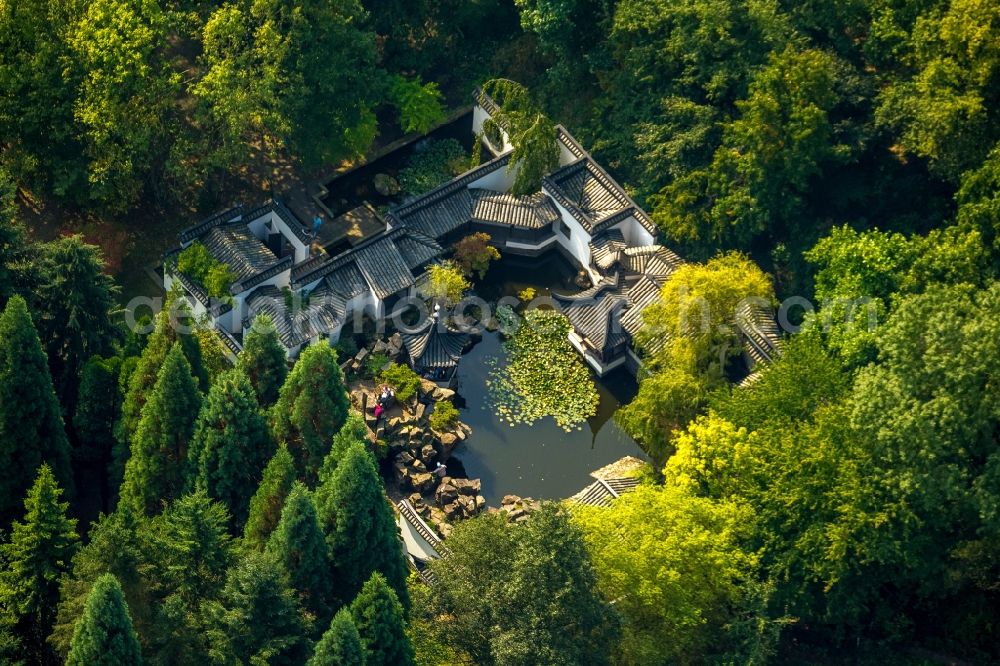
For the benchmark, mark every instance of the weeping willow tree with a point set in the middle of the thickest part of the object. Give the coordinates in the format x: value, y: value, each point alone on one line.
x: 531, y: 133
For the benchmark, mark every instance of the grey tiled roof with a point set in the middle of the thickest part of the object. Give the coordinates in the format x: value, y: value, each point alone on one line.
x: 534, y: 211
x: 604, y: 491
x: 324, y: 313
x: 643, y: 293
x: 416, y: 248
x: 761, y: 336
x: 236, y: 247
x: 445, y: 208
x: 434, y: 345
x: 347, y: 281
x: 385, y: 262
x: 651, y: 260
x: 587, y: 192
x: 596, y: 314
x: 383, y: 267
x: 225, y: 217
x: 605, y: 246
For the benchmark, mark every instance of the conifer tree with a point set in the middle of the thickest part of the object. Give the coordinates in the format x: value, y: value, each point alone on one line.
x: 104, y: 635
x: 31, y: 427
x: 311, y: 408
x: 38, y: 553
x: 262, y: 622
x: 264, y: 360
x: 267, y: 502
x: 113, y: 548
x: 138, y: 384
x: 353, y: 431
x: 72, y: 300
x: 231, y: 445
x: 340, y: 644
x: 98, y: 407
x: 298, y: 545
x: 359, y: 526
x: 378, y: 615
x: 187, y: 551
x: 156, y: 469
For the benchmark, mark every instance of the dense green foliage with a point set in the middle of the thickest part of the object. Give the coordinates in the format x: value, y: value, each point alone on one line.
x: 446, y: 285
x: 433, y: 163
x: 340, y: 644
x: 31, y: 427
x: 403, y: 380
x: 104, y: 635
x: 543, y: 375
x: 196, y: 262
x: 359, y: 525
x: 264, y: 360
x: 523, y: 593
x: 37, y: 554
x: 690, y: 338
x: 298, y: 546
x: 444, y: 416
x: 158, y: 467
x: 380, y: 623
x: 648, y: 550
x: 311, y: 408
x: 231, y: 445
x: 840, y: 509
x: 265, y: 505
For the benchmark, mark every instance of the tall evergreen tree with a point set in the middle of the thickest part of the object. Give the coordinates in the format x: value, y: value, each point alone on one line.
x: 231, y: 445
x: 311, y: 408
x: 267, y: 502
x: 378, y: 615
x: 355, y: 431
x: 156, y: 470
x: 31, y: 428
x: 359, y: 526
x: 264, y: 360
x: 113, y: 548
x: 186, y: 552
x: 37, y: 554
x: 340, y: 644
x: 104, y: 635
x: 298, y: 545
x: 139, y: 383
x: 262, y: 622
x: 97, y: 410
x: 72, y: 300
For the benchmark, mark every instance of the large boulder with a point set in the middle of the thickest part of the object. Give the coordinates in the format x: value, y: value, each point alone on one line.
x: 386, y: 185
x: 467, y: 486
x: 428, y: 454
x: 446, y: 493
x: 422, y: 482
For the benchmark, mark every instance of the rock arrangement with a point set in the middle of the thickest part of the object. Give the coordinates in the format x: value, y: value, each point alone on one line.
x: 516, y: 509
x: 415, y: 448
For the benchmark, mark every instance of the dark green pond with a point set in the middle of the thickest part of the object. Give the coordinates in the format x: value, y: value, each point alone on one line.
x: 540, y: 460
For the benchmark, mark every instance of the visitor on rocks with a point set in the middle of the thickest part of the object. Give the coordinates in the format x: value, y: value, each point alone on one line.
x: 378, y: 413
x: 441, y: 470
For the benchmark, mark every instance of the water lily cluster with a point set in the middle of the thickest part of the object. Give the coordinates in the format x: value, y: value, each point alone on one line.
x: 543, y: 375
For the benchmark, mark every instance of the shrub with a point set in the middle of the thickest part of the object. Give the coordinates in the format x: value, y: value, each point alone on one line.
x: 527, y: 295
x: 373, y: 365
x: 474, y: 253
x: 444, y: 416
x: 446, y: 283
x: 433, y: 165
x: 197, y: 263
x: 346, y: 348
x: 402, y: 379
